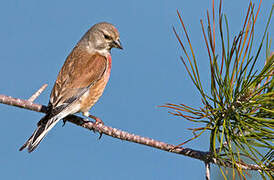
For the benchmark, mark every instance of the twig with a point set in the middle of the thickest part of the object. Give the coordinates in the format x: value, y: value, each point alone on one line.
x: 37, y: 93
x: 116, y: 133
x: 207, y: 166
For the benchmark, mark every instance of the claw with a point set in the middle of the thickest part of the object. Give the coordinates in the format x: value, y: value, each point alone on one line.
x: 97, y: 122
x: 64, y: 122
x: 100, y: 135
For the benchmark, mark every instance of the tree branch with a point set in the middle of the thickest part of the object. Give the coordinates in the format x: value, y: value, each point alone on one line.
x: 123, y: 135
x: 37, y: 93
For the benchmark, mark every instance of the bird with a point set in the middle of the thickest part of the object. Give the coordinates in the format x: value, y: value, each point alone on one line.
x: 81, y: 80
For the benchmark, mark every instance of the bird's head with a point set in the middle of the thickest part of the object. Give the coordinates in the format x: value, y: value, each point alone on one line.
x: 102, y: 37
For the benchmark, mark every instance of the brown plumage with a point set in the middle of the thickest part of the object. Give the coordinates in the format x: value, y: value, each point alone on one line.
x: 73, y: 77
x: 81, y: 81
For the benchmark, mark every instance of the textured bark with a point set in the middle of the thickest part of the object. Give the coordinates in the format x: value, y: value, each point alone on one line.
x: 123, y: 135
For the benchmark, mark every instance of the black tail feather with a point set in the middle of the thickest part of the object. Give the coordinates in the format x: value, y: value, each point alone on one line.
x: 40, y: 129
x: 44, y: 126
x: 32, y: 142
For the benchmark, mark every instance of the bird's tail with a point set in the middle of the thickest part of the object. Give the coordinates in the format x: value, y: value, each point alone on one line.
x: 44, y: 126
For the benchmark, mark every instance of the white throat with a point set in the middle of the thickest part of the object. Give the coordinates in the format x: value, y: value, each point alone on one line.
x: 91, y: 49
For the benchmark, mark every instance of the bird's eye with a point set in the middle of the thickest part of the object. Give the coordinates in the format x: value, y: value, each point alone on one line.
x: 107, y: 37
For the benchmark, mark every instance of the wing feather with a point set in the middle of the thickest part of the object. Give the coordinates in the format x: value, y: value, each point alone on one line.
x: 79, y: 72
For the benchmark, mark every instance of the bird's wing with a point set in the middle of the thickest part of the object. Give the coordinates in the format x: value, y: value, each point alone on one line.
x: 79, y: 72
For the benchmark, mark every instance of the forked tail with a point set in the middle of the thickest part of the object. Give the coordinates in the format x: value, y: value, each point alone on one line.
x: 44, y: 126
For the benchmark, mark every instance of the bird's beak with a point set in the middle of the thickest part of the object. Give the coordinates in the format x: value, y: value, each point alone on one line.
x: 117, y: 44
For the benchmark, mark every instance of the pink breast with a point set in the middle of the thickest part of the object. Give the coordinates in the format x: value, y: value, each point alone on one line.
x: 109, y: 67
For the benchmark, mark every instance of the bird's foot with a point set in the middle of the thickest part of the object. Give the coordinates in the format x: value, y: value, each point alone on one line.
x: 97, y: 122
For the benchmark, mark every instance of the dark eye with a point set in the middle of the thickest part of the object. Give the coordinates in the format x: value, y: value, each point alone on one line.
x: 107, y: 37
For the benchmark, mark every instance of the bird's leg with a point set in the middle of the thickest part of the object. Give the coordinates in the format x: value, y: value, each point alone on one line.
x: 97, y: 121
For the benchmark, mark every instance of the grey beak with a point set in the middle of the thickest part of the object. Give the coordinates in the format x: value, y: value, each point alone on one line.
x: 118, y: 44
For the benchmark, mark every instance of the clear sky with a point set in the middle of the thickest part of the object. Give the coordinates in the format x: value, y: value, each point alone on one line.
x: 35, y: 38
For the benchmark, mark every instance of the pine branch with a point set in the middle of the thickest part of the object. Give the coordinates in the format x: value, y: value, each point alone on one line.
x: 123, y: 135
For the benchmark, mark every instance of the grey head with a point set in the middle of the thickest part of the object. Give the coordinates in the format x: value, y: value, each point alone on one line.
x: 101, y: 37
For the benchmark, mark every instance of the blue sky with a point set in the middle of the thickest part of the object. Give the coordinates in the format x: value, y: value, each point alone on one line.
x: 36, y: 36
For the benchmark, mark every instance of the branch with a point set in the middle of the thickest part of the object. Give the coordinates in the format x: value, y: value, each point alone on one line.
x: 37, y: 93
x: 113, y: 132
x: 123, y: 135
